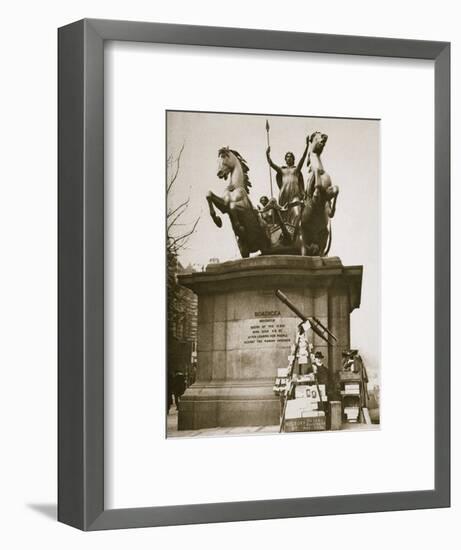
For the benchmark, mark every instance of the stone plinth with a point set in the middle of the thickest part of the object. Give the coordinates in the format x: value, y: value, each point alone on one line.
x: 245, y: 332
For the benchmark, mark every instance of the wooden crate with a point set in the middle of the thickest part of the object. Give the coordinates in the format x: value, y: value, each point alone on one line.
x: 346, y: 376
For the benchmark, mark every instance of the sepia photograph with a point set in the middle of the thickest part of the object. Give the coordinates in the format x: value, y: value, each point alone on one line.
x: 273, y: 289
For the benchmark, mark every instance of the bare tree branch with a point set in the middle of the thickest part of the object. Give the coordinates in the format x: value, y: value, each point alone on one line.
x: 178, y: 233
x: 174, y: 241
x: 179, y: 211
x: 176, y: 172
x: 185, y: 203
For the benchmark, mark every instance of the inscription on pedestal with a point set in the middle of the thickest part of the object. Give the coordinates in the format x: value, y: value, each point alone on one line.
x: 266, y: 330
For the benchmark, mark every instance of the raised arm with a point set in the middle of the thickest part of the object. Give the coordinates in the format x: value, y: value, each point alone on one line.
x: 271, y: 163
x: 304, y: 155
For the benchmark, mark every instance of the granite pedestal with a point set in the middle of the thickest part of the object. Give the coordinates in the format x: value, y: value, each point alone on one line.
x: 245, y: 333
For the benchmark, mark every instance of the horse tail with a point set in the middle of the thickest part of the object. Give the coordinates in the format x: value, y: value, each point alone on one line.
x: 329, y: 239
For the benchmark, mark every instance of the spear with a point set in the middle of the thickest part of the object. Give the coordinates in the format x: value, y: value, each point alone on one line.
x: 268, y: 145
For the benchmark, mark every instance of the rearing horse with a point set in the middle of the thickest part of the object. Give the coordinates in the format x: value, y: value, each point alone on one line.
x: 320, y: 203
x: 235, y: 202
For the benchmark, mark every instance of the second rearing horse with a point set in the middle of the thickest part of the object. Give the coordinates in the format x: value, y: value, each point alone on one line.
x: 246, y: 224
x: 320, y: 203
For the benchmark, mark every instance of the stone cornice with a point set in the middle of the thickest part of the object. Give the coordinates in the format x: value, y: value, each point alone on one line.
x: 286, y: 271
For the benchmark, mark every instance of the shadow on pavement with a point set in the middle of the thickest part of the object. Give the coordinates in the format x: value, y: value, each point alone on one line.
x: 46, y: 509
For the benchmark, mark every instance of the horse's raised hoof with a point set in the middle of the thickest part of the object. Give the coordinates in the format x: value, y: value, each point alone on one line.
x: 218, y: 221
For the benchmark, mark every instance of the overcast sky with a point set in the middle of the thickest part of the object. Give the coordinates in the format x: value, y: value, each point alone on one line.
x: 351, y: 157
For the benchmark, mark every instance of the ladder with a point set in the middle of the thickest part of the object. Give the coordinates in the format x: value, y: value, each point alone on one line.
x: 291, y: 383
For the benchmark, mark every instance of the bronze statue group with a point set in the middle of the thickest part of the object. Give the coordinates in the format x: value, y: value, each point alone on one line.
x: 298, y: 222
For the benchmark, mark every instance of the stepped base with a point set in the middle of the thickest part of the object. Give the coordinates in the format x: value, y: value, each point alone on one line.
x: 219, y: 404
x: 245, y: 332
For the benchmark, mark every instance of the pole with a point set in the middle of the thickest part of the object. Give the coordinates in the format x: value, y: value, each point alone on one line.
x: 268, y: 145
x: 290, y: 378
x: 281, y: 296
x: 319, y: 328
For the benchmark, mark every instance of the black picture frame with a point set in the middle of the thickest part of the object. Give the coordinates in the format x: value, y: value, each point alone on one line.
x: 81, y: 273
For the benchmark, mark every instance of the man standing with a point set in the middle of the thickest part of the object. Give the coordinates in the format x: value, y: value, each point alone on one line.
x: 179, y: 386
x: 320, y: 368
